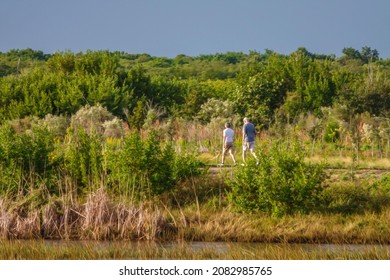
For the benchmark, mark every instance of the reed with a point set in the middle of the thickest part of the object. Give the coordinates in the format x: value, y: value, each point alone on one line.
x: 92, y: 250
x: 102, y: 218
x: 99, y: 218
x: 368, y: 228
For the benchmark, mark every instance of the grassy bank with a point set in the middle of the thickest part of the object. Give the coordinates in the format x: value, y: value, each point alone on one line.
x: 41, y: 250
x: 199, y: 211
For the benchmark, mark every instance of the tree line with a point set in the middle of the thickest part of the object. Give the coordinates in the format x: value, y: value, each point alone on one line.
x: 263, y: 86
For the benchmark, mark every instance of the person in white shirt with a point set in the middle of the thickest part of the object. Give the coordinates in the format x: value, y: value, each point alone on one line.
x: 228, y: 143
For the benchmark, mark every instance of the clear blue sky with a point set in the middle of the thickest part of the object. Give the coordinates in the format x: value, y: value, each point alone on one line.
x: 193, y: 27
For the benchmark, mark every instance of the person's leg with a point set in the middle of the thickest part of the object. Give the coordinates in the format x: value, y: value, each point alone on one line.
x: 254, y: 154
x: 244, y: 149
x: 252, y: 150
x: 223, y: 155
x: 226, y: 148
x: 231, y: 151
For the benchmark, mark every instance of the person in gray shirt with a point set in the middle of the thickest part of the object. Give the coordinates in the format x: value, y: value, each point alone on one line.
x: 228, y: 145
x: 248, y: 139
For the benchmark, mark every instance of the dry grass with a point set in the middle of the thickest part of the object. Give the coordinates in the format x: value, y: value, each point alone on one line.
x: 369, y: 228
x: 17, y: 222
x: 104, y: 220
x: 97, y: 219
x: 90, y: 250
x: 347, y: 162
x: 100, y: 217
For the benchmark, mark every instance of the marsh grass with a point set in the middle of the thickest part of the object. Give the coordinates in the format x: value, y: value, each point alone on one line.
x: 103, y: 221
x: 198, y: 210
x: 63, y: 250
x: 355, y: 212
x: 98, y: 218
x: 369, y: 228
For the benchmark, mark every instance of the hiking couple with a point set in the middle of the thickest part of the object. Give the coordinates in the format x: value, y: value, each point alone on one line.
x: 248, y: 137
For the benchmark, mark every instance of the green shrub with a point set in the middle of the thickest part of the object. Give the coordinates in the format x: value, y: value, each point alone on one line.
x: 24, y: 156
x: 382, y: 183
x: 140, y: 167
x: 332, y: 132
x: 353, y: 198
x: 83, y: 158
x: 282, y: 183
x: 28, y: 149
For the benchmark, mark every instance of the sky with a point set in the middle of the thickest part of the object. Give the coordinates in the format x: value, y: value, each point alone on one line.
x: 167, y: 28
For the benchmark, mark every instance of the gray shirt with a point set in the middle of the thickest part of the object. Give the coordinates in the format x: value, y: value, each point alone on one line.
x: 249, y: 132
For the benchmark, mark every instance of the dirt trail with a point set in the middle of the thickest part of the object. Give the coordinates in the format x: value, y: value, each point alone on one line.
x: 334, y: 173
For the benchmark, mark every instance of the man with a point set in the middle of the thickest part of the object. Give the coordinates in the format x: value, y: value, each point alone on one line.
x: 228, y: 138
x: 248, y: 135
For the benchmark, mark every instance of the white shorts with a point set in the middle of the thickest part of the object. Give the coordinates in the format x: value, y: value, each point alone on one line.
x: 249, y: 146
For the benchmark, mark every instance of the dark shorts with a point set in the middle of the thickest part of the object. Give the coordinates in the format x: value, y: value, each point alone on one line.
x: 228, y: 146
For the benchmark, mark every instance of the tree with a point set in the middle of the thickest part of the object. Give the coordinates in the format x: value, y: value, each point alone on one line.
x: 369, y: 55
x: 62, y: 63
x: 261, y: 89
x: 314, y: 87
x: 366, y: 55
x: 351, y: 53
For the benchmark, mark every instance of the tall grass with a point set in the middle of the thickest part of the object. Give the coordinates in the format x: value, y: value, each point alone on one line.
x: 198, y: 210
x: 41, y: 250
x: 355, y: 229
x: 98, y: 218
x: 103, y: 217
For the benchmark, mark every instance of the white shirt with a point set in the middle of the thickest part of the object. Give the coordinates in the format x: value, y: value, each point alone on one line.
x: 228, y: 135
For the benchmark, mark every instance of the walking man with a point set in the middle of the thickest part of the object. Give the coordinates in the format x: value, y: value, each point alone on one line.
x: 248, y: 137
x: 228, y: 145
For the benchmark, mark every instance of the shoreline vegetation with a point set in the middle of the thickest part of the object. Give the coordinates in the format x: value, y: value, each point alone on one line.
x: 105, y: 146
x: 103, y: 216
x: 117, y: 250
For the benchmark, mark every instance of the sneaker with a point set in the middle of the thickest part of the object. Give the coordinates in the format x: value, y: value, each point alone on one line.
x: 257, y: 163
x: 221, y: 164
x: 235, y: 164
x: 242, y: 164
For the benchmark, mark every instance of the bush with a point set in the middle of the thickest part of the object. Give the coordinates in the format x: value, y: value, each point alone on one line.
x: 92, y: 119
x: 146, y: 166
x: 332, y: 133
x: 352, y: 198
x: 281, y: 184
x: 24, y: 156
x: 83, y: 158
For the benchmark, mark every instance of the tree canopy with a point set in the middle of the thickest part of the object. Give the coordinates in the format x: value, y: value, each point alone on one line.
x: 259, y: 85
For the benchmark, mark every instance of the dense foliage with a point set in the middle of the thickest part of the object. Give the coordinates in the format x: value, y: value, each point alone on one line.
x: 86, y: 153
x: 262, y: 86
x: 71, y: 122
x: 281, y: 183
